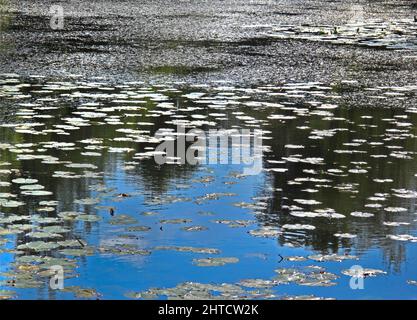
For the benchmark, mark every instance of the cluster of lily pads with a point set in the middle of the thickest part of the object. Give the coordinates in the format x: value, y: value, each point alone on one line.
x: 311, y: 276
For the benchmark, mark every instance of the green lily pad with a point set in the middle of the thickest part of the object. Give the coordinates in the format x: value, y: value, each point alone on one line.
x: 87, y: 201
x: 363, y: 272
x: 85, y: 251
x: 85, y: 293
x: 188, y: 249
x: 124, y: 251
x: 138, y: 228
x: 24, y: 181
x: 175, y: 221
x: 194, y: 228
x: 36, y: 193
x: 123, y: 219
x: 32, y: 187
x: 45, y: 235
x: 88, y: 218
x: 69, y: 215
x: 214, y: 262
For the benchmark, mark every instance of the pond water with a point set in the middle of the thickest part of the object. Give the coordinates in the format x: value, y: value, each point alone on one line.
x: 79, y: 188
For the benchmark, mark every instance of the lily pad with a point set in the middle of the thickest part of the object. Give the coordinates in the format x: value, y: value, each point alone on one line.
x: 38, y: 246
x: 85, y: 293
x: 122, y: 219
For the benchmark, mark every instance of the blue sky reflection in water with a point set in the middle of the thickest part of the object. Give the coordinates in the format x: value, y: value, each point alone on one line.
x: 86, y: 143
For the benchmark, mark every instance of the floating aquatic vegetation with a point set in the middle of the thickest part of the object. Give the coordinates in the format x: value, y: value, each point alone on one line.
x: 32, y: 187
x: 4, y: 231
x: 22, y: 279
x: 286, y: 276
x: 44, y: 220
x: 361, y: 214
x: 84, y: 251
x: 45, y: 209
x: 363, y: 272
x: 194, y: 228
x: 122, y: 219
x: 123, y: 250
x: 88, y: 217
x: 214, y: 262
x: 345, y: 235
x: 20, y: 228
x: 305, y: 297
x: 7, y: 294
x: 296, y: 258
x: 373, y: 205
x: 327, y: 213
x: 402, y: 237
x: 69, y: 215
x: 403, y: 193
x: 307, y: 276
x: 81, y: 165
x: 198, y: 291
x: 85, y: 293
x: 14, y: 218
x: 266, y: 232
x: 319, y: 279
x: 10, y: 203
x: 66, y: 174
x: 331, y: 257
x: 87, y: 201
x: 307, y: 202
x: 44, y: 235
x: 395, y: 209
x: 24, y: 181
x: 38, y: 246
x: 147, y: 295
x: 138, y: 228
x: 412, y: 282
x: 36, y: 193
x: 188, y: 249
x: 235, y: 223
x: 257, y: 283
x: 395, y: 224
x: 175, y: 221
x: 213, y: 196
x: 372, y: 33
x: 328, y: 162
x: 167, y: 199
x: 298, y: 227
x: 7, y: 195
